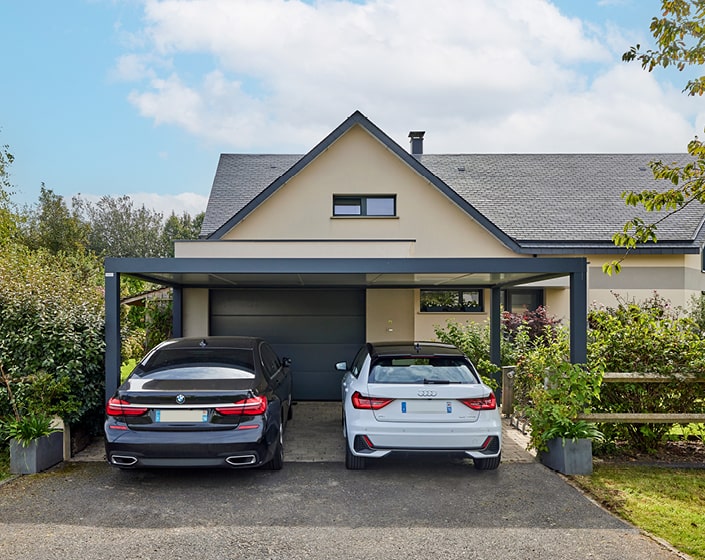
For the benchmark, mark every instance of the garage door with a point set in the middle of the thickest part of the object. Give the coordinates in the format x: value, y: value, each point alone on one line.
x: 315, y: 328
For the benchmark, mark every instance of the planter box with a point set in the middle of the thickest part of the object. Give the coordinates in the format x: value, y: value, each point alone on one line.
x: 567, y: 456
x: 38, y: 456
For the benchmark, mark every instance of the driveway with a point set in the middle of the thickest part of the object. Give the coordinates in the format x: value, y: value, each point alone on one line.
x: 398, y: 508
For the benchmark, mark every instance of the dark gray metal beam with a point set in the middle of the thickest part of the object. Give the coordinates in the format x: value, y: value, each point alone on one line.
x: 112, y: 333
x: 578, y: 316
x: 540, y: 267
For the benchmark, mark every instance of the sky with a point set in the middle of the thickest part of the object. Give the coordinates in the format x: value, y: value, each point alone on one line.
x: 140, y: 97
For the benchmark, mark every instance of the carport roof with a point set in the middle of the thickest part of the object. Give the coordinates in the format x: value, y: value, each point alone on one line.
x: 340, y: 272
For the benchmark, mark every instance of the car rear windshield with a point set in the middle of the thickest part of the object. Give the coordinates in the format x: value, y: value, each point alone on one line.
x: 199, y: 362
x: 414, y: 369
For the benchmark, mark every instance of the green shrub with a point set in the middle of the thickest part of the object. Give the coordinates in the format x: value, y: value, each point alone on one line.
x: 646, y: 337
x: 473, y: 339
x: 568, y: 390
x: 535, y: 359
x: 52, y: 332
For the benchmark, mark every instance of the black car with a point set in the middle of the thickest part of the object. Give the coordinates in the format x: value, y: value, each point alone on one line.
x: 201, y: 402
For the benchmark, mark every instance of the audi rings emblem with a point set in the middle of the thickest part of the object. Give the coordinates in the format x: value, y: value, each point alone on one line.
x: 180, y: 399
x: 427, y: 393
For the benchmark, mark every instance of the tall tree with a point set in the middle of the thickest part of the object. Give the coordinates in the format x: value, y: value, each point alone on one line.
x: 8, y: 224
x: 180, y: 227
x: 680, y: 43
x: 119, y: 229
x: 53, y: 226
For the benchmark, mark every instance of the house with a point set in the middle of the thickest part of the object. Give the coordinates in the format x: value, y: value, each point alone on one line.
x: 360, y: 239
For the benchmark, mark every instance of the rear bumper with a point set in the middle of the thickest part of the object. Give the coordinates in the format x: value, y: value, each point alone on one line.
x: 213, y: 449
x: 482, y: 439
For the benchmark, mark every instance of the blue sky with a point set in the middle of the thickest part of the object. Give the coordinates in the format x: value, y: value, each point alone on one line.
x: 140, y: 97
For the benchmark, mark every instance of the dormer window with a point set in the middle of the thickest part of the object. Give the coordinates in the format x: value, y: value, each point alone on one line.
x: 377, y: 205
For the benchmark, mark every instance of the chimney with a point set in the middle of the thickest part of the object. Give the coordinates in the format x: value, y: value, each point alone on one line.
x: 417, y: 142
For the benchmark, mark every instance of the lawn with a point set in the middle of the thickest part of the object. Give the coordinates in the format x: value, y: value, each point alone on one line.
x: 126, y: 368
x: 4, y: 461
x: 668, y: 503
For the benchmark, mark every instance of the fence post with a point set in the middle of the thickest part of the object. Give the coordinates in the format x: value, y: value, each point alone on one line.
x: 507, y: 390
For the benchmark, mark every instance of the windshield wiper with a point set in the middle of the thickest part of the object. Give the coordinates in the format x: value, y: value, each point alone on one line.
x: 436, y: 382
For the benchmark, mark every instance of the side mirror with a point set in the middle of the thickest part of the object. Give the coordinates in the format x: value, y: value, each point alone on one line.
x: 341, y: 366
x: 286, y: 362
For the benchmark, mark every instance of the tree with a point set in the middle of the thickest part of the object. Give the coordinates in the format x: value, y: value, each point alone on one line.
x: 180, y: 227
x: 53, y: 226
x: 7, y: 218
x: 118, y: 229
x: 680, y: 43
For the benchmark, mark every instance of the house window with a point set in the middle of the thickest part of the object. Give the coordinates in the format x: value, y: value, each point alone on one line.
x: 520, y: 300
x: 454, y: 301
x: 364, y: 205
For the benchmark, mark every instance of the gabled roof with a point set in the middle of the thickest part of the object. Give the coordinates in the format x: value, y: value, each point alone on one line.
x: 533, y: 203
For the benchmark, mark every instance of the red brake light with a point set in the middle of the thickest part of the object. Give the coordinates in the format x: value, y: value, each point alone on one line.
x: 253, y: 406
x: 369, y: 403
x: 118, y: 407
x: 483, y: 403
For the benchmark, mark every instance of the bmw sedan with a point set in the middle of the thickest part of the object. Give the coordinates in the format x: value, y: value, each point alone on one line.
x: 417, y: 397
x: 201, y: 402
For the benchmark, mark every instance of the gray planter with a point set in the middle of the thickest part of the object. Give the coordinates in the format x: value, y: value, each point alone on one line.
x: 38, y: 456
x: 567, y: 456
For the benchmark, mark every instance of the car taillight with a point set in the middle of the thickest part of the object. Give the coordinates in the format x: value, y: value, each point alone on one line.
x: 369, y: 403
x: 248, y: 407
x: 483, y: 403
x: 118, y: 407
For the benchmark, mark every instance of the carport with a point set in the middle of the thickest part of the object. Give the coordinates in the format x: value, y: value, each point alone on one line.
x: 495, y: 274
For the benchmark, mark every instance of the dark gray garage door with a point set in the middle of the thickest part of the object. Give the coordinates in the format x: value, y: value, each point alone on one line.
x: 315, y: 328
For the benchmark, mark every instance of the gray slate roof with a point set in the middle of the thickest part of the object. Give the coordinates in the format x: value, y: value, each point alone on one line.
x: 239, y: 178
x: 561, y: 197
x: 546, y: 203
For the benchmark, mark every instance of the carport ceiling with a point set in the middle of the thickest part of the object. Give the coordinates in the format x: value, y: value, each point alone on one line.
x: 372, y: 273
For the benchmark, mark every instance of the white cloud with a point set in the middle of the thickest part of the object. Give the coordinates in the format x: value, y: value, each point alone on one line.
x: 478, y: 76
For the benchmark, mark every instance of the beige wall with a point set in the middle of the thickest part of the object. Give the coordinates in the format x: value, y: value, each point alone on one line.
x: 195, y: 312
x: 358, y: 164
x: 390, y: 315
x: 674, y: 277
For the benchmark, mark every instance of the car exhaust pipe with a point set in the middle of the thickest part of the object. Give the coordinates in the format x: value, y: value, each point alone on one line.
x: 241, y: 460
x: 123, y: 460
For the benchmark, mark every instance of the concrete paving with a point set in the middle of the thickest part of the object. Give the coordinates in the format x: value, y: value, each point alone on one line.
x: 314, y: 509
x: 315, y: 435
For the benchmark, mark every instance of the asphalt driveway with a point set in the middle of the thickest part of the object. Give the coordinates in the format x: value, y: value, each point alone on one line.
x: 398, y: 508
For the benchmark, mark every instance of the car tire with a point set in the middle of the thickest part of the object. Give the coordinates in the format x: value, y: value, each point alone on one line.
x: 290, y: 410
x: 277, y: 462
x: 353, y: 462
x: 488, y: 464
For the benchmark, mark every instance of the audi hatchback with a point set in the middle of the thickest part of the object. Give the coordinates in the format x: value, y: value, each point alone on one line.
x: 201, y: 402
x: 417, y: 397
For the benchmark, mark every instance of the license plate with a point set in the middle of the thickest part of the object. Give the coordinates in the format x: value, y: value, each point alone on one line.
x: 181, y: 415
x: 425, y: 406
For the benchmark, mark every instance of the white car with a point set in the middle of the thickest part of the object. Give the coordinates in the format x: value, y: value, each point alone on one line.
x: 417, y: 397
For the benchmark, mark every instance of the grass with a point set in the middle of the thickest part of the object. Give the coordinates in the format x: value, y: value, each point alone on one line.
x: 668, y: 503
x: 126, y: 368
x: 4, y: 461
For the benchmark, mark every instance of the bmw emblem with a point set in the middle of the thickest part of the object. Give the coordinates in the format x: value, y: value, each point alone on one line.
x: 180, y: 399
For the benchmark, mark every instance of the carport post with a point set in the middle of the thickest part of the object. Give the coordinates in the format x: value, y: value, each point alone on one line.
x: 177, y: 328
x: 578, y: 316
x: 496, y: 333
x: 112, y: 333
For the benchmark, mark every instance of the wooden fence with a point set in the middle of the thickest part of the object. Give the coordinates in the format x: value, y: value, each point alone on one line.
x: 617, y: 417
